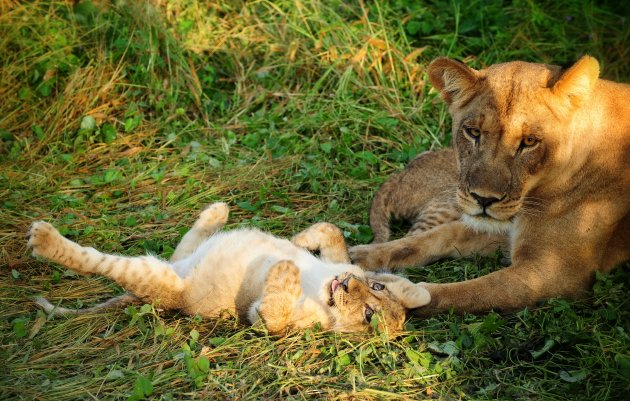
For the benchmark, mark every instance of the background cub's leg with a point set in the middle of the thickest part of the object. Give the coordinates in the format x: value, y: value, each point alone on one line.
x: 325, y: 238
x: 211, y: 220
x: 452, y: 239
x: 146, y: 277
x: 280, y: 294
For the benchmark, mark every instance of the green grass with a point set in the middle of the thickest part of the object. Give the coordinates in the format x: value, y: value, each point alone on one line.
x: 119, y: 122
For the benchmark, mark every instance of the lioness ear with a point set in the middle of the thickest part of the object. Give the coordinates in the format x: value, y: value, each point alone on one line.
x: 452, y: 78
x: 576, y: 83
x: 411, y: 295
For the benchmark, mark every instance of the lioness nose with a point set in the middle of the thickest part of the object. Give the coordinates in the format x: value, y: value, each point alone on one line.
x: 483, y: 201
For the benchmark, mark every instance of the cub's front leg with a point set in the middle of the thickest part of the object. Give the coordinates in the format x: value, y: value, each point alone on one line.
x: 453, y: 239
x: 281, y: 291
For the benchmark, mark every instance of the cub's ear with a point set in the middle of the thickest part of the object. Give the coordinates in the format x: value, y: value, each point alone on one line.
x: 576, y: 83
x: 411, y: 295
x: 454, y: 80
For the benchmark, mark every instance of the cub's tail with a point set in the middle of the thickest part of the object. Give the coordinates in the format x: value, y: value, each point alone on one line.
x: 117, y: 302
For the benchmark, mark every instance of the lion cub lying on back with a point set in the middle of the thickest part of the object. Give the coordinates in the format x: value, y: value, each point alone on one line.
x: 254, y: 274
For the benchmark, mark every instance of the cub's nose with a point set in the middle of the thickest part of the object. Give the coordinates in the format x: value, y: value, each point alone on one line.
x: 483, y: 201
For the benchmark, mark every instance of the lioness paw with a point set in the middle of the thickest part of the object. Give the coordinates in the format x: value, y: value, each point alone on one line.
x: 43, y: 238
x: 417, y: 296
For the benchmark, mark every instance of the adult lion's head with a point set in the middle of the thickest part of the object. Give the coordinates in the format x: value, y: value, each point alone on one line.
x: 511, y: 128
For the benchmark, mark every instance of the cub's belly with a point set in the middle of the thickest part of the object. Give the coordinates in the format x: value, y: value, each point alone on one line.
x: 227, y: 273
x: 227, y: 284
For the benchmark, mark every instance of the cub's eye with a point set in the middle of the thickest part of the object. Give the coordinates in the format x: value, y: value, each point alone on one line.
x: 473, y: 133
x: 529, y: 141
x: 368, y: 313
x: 377, y: 286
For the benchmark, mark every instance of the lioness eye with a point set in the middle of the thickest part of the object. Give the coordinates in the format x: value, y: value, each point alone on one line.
x: 529, y: 140
x: 474, y: 133
x: 368, y: 313
x: 377, y: 286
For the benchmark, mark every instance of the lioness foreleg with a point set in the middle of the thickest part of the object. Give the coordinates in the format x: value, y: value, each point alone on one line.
x: 511, y: 288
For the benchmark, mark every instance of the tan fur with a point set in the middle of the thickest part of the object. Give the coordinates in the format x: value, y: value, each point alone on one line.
x: 247, y: 272
x: 423, y: 200
x: 544, y: 161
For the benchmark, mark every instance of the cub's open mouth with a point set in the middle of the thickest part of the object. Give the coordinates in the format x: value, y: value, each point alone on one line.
x: 331, y: 291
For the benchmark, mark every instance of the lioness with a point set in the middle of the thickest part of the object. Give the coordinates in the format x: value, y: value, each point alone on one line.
x: 541, y: 168
x: 254, y: 274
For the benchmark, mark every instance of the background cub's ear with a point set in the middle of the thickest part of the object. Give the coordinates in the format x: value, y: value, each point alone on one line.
x: 454, y: 80
x: 576, y: 83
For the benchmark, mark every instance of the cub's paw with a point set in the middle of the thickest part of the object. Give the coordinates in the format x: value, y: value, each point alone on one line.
x: 43, y: 238
x: 213, y: 215
x: 326, y: 238
x: 283, y: 279
x: 369, y: 257
x: 318, y: 235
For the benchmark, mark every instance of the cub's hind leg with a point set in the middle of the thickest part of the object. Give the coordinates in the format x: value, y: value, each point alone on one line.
x: 147, y: 277
x: 325, y: 238
x: 211, y: 220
